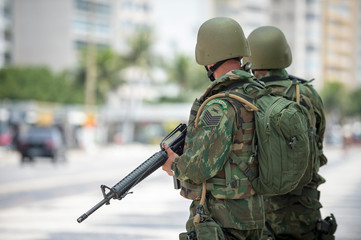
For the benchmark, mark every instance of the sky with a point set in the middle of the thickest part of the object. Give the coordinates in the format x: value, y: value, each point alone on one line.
x: 177, y: 24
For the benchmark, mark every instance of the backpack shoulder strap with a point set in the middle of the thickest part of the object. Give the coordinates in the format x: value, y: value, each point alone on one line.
x: 301, y: 80
x: 289, y: 92
x: 242, y: 83
x: 273, y: 79
x: 222, y: 95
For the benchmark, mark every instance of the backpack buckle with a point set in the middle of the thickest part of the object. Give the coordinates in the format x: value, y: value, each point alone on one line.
x: 235, y: 183
x: 250, y: 174
x: 293, y: 142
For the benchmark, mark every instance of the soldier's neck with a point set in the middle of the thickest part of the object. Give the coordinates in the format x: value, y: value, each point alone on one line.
x: 226, y: 67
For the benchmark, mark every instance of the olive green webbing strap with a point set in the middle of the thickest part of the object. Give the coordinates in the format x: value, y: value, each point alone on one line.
x: 295, y: 85
x: 288, y: 92
x: 241, y: 162
x: 197, y: 217
x: 298, y: 97
x: 219, y: 95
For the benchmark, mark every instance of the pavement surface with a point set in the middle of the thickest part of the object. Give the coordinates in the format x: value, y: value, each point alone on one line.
x: 41, y: 200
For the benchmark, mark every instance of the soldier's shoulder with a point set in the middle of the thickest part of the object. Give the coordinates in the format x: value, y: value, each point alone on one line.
x: 215, y: 111
x: 217, y: 102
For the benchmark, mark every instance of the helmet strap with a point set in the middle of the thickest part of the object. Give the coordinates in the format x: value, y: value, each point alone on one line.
x: 212, y: 69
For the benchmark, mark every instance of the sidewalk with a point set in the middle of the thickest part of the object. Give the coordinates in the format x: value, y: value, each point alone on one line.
x: 340, y: 194
x: 144, y: 214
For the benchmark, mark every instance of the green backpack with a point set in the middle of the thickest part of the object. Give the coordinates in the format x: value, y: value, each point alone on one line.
x: 294, y: 87
x: 282, y: 131
x: 282, y: 144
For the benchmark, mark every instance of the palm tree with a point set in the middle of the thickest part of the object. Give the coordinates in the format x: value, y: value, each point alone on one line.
x: 108, y: 65
x: 140, y: 55
x: 189, y: 76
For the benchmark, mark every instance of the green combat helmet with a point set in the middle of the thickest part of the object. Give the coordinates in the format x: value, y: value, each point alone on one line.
x: 219, y: 39
x: 270, y: 49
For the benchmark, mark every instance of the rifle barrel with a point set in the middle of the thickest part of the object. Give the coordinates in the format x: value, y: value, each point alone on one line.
x: 121, y: 189
x: 93, y: 209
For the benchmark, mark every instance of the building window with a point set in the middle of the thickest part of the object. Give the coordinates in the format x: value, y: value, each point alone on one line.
x: 80, y: 45
x: 98, y: 28
x: 310, y: 48
x: 309, y: 2
x: 254, y: 8
x: 340, y: 8
x: 88, y: 6
x: 311, y: 16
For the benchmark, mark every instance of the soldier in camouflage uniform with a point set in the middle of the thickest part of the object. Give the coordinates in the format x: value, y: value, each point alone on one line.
x: 219, y: 136
x: 294, y: 215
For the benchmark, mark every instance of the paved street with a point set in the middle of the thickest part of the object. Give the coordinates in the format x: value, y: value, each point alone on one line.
x: 341, y: 193
x: 42, y: 201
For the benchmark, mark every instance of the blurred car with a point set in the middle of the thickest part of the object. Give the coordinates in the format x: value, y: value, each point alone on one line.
x: 5, y: 136
x: 42, y: 142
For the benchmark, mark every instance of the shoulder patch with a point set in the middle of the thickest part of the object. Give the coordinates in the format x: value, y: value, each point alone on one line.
x: 212, y: 115
x: 218, y: 101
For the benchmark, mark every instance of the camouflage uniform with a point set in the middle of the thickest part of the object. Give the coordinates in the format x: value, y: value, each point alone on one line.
x: 294, y: 215
x: 222, y: 132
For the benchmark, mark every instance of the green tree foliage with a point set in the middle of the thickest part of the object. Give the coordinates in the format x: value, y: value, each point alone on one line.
x: 334, y: 97
x: 355, y: 101
x: 140, y: 53
x: 188, y: 75
x: 108, y: 64
x: 37, y: 83
x: 341, y: 100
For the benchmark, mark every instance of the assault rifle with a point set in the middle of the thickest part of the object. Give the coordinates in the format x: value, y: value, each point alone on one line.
x: 121, y: 189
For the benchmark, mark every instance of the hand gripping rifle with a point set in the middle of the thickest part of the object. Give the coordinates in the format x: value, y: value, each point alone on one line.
x: 121, y: 189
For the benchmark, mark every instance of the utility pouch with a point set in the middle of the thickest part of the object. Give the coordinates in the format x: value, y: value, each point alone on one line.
x: 209, y: 230
x: 188, y: 236
x: 327, y: 227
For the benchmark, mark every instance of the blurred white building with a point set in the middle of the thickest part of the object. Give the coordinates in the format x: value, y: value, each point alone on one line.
x: 299, y: 20
x: 324, y: 34
x: 51, y: 32
x: 359, y: 46
x: 341, y: 41
x: 5, y: 30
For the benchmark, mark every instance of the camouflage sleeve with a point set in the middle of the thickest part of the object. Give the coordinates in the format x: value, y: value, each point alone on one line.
x: 319, y: 111
x: 320, y: 121
x: 209, y: 144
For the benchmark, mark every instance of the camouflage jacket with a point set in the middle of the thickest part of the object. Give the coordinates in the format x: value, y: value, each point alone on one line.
x: 223, y: 133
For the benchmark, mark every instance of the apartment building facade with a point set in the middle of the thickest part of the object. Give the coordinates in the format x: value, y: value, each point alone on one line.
x: 324, y: 34
x: 52, y: 32
x: 5, y: 30
x: 341, y: 38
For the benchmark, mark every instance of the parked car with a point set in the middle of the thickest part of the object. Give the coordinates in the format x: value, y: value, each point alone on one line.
x: 42, y: 142
x: 5, y: 136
